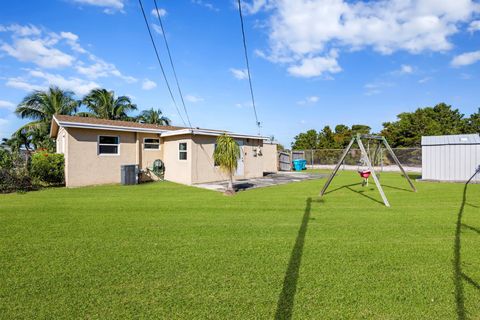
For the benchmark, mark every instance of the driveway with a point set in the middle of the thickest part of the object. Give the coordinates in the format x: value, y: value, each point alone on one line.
x: 266, y: 181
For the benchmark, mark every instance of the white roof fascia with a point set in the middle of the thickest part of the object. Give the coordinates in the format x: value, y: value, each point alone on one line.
x: 209, y: 133
x: 68, y: 124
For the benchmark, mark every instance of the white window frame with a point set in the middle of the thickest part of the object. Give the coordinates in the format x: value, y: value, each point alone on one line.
x: 145, y: 149
x: 183, y: 151
x: 107, y: 144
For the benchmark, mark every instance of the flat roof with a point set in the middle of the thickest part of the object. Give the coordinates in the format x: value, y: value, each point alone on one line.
x: 451, y: 139
x: 118, y: 125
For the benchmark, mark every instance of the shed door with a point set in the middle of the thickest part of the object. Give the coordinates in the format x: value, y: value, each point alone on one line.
x: 240, y: 162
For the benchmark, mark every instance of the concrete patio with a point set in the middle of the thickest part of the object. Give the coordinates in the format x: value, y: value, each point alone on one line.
x: 266, y: 181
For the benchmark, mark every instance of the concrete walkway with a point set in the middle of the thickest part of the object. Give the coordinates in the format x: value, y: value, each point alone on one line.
x: 269, y: 180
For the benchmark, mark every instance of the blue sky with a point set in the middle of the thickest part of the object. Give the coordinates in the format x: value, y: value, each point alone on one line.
x: 313, y: 63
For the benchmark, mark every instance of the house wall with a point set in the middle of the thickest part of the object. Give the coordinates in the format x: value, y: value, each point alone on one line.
x: 85, y: 167
x: 450, y: 162
x: 177, y: 170
x: 270, y: 157
x: 203, y: 169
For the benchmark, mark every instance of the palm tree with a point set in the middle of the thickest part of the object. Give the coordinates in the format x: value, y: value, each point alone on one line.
x: 40, y: 106
x: 103, y: 104
x: 226, y: 155
x: 153, y: 116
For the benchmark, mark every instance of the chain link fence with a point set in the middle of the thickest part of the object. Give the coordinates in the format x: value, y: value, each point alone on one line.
x: 410, y: 158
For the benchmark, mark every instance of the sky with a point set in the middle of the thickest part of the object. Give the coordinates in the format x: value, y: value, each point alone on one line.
x: 313, y: 63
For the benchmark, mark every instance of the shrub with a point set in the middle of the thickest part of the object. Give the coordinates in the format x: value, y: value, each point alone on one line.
x: 14, y: 173
x: 6, y: 160
x: 48, y: 167
x: 12, y: 180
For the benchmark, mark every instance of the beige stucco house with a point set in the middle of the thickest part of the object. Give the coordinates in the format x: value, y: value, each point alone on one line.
x: 95, y: 149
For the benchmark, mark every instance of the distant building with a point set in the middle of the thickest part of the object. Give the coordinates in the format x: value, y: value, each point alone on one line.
x: 452, y: 158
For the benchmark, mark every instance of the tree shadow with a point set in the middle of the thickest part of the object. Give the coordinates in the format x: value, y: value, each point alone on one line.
x: 286, y: 298
x: 458, y: 274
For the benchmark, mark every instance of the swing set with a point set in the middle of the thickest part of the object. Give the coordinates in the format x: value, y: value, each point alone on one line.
x: 366, y: 166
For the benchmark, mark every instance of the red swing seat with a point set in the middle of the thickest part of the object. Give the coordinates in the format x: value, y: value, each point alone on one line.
x: 365, y: 173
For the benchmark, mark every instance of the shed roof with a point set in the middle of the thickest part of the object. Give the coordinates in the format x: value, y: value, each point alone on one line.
x: 451, y: 139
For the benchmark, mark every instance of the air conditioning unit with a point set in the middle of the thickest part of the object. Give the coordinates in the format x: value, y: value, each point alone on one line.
x: 129, y: 174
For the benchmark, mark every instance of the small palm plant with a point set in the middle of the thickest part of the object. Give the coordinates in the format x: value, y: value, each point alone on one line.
x: 226, y: 155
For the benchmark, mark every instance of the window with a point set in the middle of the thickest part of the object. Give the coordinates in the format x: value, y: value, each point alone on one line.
x: 108, y: 145
x: 182, y: 151
x: 151, y: 144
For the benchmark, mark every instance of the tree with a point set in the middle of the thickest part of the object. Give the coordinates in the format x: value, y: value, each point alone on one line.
x: 360, y: 128
x: 472, y: 124
x: 226, y: 155
x: 40, y: 106
x: 103, y: 104
x: 326, y: 139
x: 153, y: 116
x: 411, y: 126
x: 306, y: 141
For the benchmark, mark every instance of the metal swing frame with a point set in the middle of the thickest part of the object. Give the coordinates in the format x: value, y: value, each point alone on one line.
x: 358, y: 138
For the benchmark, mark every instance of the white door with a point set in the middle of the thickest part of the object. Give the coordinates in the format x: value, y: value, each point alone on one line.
x: 240, y: 162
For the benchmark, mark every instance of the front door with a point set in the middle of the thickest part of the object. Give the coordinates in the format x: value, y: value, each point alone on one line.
x: 240, y: 161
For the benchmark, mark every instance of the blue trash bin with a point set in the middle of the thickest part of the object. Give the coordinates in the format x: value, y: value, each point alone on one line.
x: 299, y: 164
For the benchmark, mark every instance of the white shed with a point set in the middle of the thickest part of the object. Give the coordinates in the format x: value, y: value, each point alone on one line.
x: 452, y: 158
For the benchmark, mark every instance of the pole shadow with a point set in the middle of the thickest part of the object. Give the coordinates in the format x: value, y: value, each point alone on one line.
x: 366, y: 196
x: 343, y: 187
x: 458, y: 275
x: 397, y: 188
x: 286, y: 298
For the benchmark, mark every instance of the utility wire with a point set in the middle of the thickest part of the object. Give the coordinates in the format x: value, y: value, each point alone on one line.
x: 171, y: 63
x: 160, y: 62
x: 248, y: 65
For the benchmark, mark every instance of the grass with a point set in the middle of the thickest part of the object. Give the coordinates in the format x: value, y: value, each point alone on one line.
x: 163, y: 250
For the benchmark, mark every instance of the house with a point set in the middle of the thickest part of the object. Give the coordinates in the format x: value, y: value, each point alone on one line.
x: 95, y: 149
x: 451, y: 158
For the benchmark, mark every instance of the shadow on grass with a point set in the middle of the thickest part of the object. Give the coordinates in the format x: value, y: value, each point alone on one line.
x: 361, y: 192
x: 458, y: 274
x: 343, y: 187
x: 414, y: 176
x: 287, y: 296
x: 397, y: 188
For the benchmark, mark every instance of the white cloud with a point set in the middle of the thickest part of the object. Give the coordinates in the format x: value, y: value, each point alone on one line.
x: 22, y: 84
x: 302, y: 32
x: 474, y: 26
x: 39, y: 80
x: 466, y: 59
x: 424, y: 80
x: 111, y: 6
x: 7, y: 105
x: 38, y: 52
x: 42, y: 48
x: 157, y: 28
x: 406, y: 69
x: 375, y: 88
x: 21, y: 31
x: 148, y: 84
x: 206, y: 4
x: 193, y: 99
x: 309, y: 100
x: 240, y: 74
x: 162, y: 12
x: 313, y: 67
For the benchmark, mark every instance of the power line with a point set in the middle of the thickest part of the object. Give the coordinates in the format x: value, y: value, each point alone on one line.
x: 160, y: 62
x: 171, y: 63
x: 248, y: 65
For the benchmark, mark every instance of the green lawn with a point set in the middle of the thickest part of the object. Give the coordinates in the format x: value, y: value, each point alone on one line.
x: 163, y: 250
